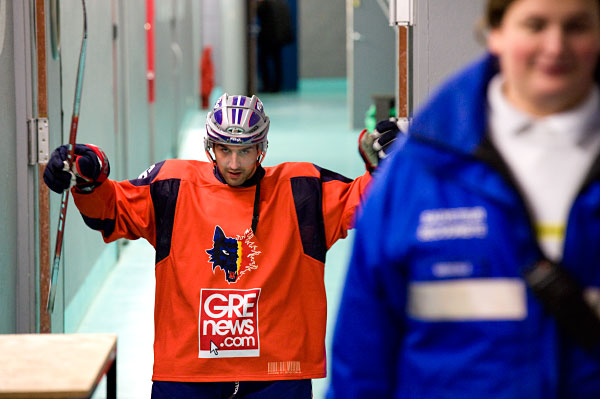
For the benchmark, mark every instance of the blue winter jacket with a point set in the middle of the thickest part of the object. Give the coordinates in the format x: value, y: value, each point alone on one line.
x: 435, y: 305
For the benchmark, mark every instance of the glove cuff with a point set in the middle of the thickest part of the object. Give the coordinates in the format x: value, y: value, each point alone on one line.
x: 86, y: 184
x: 365, y: 149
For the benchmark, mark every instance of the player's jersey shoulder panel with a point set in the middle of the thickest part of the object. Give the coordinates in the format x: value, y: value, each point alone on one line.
x: 194, y: 171
x: 307, y: 194
x: 328, y: 175
x: 305, y: 185
x: 287, y: 170
x: 164, y: 198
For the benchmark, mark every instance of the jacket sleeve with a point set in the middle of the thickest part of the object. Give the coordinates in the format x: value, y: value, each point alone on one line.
x: 342, y: 198
x: 369, y: 327
x: 119, y: 210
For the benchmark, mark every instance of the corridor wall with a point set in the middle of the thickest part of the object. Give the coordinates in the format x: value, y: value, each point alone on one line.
x: 8, y: 177
x: 115, y: 114
x: 443, y: 40
x: 322, y: 38
x: 177, y: 57
x: 85, y: 255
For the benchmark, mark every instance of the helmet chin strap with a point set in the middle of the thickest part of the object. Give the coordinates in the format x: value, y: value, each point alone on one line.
x: 256, y: 208
x: 210, y: 156
x: 261, y: 157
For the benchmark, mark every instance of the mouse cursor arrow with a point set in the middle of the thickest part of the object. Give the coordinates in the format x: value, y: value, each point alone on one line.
x: 214, y: 348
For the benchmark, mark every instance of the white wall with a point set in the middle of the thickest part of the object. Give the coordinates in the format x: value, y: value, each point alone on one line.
x: 322, y: 34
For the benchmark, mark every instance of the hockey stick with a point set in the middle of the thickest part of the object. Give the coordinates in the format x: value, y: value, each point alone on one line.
x: 71, y: 153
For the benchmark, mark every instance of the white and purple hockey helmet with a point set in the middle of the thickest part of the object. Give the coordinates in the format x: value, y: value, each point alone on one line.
x: 237, y: 120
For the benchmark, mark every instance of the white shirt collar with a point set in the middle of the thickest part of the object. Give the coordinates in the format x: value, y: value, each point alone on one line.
x: 574, y: 125
x: 513, y: 120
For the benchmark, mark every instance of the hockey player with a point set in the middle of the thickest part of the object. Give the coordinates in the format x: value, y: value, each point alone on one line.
x: 240, y: 307
x: 476, y: 267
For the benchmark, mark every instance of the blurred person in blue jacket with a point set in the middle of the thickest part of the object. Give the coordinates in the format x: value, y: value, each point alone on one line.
x: 475, y: 271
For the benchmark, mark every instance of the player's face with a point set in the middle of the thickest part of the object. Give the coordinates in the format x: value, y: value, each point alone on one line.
x: 548, y: 50
x: 236, y: 163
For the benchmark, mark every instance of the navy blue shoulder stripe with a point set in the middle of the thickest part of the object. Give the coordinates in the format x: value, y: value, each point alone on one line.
x: 307, y: 195
x: 106, y: 226
x: 148, y: 175
x: 328, y: 175
x: 164, y: 195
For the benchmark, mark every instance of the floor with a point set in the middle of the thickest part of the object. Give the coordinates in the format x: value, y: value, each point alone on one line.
x: 312, y: 125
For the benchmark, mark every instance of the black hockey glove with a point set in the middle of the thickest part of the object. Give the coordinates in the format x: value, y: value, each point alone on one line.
x: 90, y: 168
x: 375, y: 146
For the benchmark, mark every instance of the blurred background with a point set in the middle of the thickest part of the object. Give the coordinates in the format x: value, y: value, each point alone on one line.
x: 153, y: 68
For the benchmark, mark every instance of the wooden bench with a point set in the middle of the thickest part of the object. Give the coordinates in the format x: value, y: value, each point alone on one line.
x: 57, y: 365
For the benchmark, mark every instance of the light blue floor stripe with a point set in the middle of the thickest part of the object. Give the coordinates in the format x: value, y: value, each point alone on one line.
x: 309, y: 125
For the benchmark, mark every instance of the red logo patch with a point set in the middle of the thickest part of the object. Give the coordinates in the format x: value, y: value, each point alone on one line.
x: 228, y: 324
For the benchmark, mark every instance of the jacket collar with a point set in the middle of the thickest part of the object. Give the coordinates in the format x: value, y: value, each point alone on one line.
x: 456, y: 116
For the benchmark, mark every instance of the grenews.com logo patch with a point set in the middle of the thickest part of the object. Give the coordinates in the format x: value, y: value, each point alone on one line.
x: 228, y: 323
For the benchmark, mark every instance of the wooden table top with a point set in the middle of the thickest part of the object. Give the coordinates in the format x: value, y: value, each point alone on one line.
x: 54, y: 365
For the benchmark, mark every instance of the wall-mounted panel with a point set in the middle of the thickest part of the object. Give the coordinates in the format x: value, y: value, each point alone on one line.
x: 373, y: 59
x: 133, y: 110
x: 322, y: 37
x: 8, y: 164
x: 168, y: 65
x: 444, y: 41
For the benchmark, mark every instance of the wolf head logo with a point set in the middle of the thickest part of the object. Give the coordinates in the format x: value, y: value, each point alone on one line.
x: 234, y: 256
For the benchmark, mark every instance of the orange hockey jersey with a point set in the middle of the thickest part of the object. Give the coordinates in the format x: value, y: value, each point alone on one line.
x: 231, y: 305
